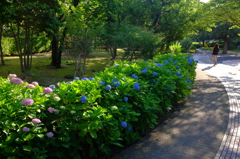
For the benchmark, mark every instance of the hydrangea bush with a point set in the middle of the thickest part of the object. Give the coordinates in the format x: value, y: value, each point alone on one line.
x: 87, y: 116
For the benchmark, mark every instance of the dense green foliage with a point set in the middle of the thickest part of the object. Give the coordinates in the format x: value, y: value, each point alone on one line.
x: 85, y: 117
x: 40, y: 43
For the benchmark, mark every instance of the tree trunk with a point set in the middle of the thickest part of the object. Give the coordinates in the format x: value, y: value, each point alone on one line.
x: 225, y: 46
x: 1, y: 51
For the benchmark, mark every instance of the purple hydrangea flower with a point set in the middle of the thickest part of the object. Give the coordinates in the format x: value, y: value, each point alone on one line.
x: 83, y: 99
x: 27, y: 101
x: 25, y: 129
x: 16, y: 80
x: 136, y: 86
x: 125, y: 99
x: 36, y: 121
x: 49, y: 134
x: 155, y: 73
x: 47, y: 90
x: 51, y: 110
x: 134, y: 76
x: 108, y: 87
x: 35, y: 83
x: 12, y: 75
x: 123, y: 124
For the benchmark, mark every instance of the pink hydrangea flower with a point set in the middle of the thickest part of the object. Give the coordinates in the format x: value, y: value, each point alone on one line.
x: 12, y: 75
x: 25, y: 129
x: 47, y: 90
x: 49, y: 134
x: 51, y: 110
x: 35, y: 83
x: 27, y: 101
x: 36, y: 121
x: 30, y: 86
x: 16, y: 80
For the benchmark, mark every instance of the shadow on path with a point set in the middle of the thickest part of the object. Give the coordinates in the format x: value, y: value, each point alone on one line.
x: 193, y: 131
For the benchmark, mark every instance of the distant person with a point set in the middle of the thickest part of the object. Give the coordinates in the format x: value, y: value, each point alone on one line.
x: 215, y: 54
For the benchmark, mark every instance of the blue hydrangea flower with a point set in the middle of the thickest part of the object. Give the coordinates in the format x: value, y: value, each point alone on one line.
x: 90, y: 78
x: 194, y: 68
x: 52, y: 86
x: 159, y: 65
x: 178, y: 67
x: 170, y: 59
x: 144, y: 71
x: 84, y: 78
x: 134, y: 76
x: 174, y: 63
x: 116, y: 83
x: 83, y: 99
x: 108, y: 87
x: 76, y: 78
x: 196, y: 61
x: 180, y: 76
x: 169, y: 88
x: 129, y: 128
x: 153, y: 81
x: 123, y: 124
x: 166, y: 62
x: 188, y: 81
x: 136, y: 86
x: 155, y: 73
x: 125, y: 99
x: 102, y: 83
x: 177, y: 73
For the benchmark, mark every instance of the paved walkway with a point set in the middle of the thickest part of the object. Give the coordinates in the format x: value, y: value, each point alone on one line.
x: 207, y: 126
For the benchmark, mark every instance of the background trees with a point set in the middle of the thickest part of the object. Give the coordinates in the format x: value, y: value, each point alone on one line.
x: 139, y: 26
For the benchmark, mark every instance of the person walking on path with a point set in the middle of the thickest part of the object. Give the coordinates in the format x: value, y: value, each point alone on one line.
x: 215, y: 54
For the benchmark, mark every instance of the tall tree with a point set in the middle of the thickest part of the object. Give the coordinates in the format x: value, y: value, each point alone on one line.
x: 224, y: 32
x: 27, y: 18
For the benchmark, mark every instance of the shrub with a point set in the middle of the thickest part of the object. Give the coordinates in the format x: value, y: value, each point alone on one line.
x: 87, y: 116
x: 40, y: 44
x: 186, y: 44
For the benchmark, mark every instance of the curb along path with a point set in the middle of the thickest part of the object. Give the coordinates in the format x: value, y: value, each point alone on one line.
x: 230, y: 78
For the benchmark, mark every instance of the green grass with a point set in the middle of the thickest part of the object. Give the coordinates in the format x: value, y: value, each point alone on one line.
x: 229, y: 51
x: 45, y: 75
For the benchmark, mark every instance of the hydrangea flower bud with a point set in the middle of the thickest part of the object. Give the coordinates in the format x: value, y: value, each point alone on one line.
x: 36, y: 121
x: 51, y: 110
x: 49, y: 134
x: 30, y: 86
x: 12, y: 75
x: 35, y: 83
x: 25, y: 129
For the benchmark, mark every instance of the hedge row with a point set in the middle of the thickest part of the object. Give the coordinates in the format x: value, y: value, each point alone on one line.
x: 85, y: 117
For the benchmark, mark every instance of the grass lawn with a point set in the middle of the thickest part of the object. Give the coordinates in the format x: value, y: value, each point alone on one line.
x: 45, y: 75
